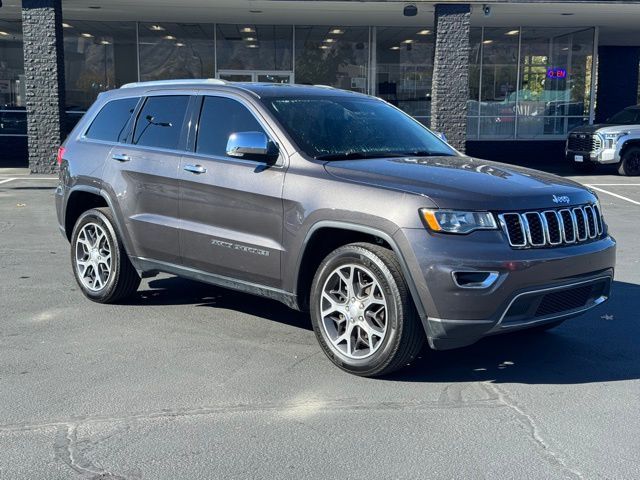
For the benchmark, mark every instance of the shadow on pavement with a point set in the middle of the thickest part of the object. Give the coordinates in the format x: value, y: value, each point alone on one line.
x: 600, y: 346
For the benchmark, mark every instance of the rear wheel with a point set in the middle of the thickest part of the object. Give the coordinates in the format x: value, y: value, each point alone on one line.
x: 362, y: 313
x: 630, y: 163
x: 100, y: 264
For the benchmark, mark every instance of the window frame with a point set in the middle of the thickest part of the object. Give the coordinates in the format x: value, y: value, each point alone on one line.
x: 257, y: 115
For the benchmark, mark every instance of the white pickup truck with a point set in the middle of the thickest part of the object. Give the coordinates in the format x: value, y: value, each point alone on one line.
x: 617, y: 141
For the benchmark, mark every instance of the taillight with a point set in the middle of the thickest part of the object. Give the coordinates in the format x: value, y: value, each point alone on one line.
x: 61, y: 151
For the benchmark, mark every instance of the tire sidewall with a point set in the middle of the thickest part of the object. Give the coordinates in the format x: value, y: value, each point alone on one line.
x: 624, y: 165
x: 99, y: 218
x: 360, y: 256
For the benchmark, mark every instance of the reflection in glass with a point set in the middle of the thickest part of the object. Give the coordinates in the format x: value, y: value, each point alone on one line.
x: 334, y: 56
x: 13, y: 116
x: 254, y: 47
x: 176, y: 50
x: 405, y: 68
x: 98, y: 56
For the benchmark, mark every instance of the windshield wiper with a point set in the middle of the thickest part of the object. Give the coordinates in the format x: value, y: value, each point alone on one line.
x: 357, y: 155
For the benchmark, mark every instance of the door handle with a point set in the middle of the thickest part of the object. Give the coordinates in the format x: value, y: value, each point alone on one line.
x: 121, y: 157
x: 197, y: 169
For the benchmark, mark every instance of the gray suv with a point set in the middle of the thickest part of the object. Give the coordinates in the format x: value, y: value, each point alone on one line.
x: 328, y: 201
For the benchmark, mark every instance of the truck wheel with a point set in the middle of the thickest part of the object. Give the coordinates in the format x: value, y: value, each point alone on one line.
x: 630, y: 163
x: 100, y: 264
x: 362, y: 312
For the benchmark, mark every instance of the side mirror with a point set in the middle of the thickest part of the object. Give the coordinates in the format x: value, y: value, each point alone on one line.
x: 441, y: 136
x: 252, y: 146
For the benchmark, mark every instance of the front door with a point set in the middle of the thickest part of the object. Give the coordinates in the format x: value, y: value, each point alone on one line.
x: 231, y: 209
x: 256, y: 76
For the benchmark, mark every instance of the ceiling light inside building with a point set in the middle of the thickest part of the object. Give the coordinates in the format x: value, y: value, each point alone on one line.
x: 66, y: 25
x: 105, y: 42
x: 324, y: 47
x: 487, y: 42
x: 247, y: 30
x: 513, y: 32
x: 424, y: 32
x: 169, y: 37
x: 156, y: 28
x: 336, y: 31
x: 395, y: 48
x: 180, y: 44
x: 329, y: 40
x: 252, y: 45
x: 86, y: 35
x: 250, y: 39
x: 407, y: 41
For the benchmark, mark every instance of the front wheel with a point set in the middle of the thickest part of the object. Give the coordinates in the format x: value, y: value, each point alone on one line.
x: 362, y: 312
x: 100, y: 264
x: 630, y: 162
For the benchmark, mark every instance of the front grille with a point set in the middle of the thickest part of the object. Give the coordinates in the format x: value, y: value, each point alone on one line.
x: 564, y: 300
x: 583, y: 142
x: 552, y: 228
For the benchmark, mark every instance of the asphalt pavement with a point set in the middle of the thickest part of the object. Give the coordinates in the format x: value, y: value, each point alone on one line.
x: 190, y: 381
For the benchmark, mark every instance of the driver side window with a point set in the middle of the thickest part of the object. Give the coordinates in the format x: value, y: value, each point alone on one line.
x: 219, y: 118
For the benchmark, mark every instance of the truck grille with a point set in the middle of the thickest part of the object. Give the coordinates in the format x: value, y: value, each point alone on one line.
x: 583, y: 142
x: 552, y: 228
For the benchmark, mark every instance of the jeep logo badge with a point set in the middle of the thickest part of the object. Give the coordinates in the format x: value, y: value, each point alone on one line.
x: 561, y: 199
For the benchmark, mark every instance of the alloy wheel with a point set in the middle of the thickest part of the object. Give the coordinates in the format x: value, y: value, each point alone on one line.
x: 354, y: 311
x: 93, y: 257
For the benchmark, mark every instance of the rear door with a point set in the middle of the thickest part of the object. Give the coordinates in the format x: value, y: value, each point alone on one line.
x: 231, y: 208
x: 143, y: 175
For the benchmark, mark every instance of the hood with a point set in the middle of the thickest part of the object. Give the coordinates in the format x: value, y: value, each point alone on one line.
x: 465, y: 183
x: 589, y: 128
x: 605, y: 128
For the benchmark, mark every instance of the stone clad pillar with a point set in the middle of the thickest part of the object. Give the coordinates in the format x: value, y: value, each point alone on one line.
x: 44, y: 81
x: 450, y: 88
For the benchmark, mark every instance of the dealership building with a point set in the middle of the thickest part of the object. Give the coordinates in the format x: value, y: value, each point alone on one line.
x: 503, y: 79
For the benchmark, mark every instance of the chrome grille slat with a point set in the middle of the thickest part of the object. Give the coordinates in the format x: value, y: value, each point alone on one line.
x: 552, y: 228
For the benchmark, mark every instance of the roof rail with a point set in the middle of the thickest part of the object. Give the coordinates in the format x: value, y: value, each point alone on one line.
x: 190, y: 81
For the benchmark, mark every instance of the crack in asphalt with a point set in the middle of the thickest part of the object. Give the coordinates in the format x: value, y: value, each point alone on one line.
x: 553, y: 456
x: 332, y: 405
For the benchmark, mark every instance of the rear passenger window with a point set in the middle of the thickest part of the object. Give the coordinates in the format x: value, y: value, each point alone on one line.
x: 219, y: 118
x: 160, y: 121
x: 110, y: 124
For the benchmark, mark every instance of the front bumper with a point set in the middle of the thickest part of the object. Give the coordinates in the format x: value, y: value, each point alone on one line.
x: 603, y: 156
x: 454, y: 316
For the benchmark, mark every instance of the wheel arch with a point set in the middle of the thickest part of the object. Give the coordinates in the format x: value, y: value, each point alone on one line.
x: 329, y: 235
x: 632, y: 142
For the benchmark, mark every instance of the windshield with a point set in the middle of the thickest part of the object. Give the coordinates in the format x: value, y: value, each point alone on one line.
x: 335, y: 128
x: 628, y: 116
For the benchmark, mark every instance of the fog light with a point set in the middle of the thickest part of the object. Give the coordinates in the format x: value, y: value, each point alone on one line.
x: 474, y: 279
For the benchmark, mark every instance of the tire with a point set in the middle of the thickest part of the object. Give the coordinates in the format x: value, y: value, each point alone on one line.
x: 630, y: 163
x: 395, y: 335
x: 117, y: 279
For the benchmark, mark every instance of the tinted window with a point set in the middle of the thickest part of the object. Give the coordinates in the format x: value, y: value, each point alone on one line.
x: 628, y: 116
x: 334, y: 128
x: 220, y: 117
x: 110, y: 124
x: 160, y: 121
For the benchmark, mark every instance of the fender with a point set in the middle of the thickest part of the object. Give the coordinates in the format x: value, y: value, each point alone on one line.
x: 370, y: 231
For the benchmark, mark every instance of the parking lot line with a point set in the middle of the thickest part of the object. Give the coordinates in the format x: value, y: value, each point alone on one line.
x: 613, y: 194
x: 6, y: 180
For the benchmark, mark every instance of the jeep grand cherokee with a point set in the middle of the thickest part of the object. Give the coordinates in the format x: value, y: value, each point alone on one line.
x: 329, y: 201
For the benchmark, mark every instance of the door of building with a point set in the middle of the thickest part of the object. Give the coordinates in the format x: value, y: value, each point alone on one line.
x: 255, y: 76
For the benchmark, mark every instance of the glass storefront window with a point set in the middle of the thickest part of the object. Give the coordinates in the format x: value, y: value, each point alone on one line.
x: 266, y: 48
x: 176, y: 50
x: 98, y: 56
x: 404, y: 68
x: 555, y: 83
x: 334, y: 56
x: 13, y: 117
x: 473, y: 105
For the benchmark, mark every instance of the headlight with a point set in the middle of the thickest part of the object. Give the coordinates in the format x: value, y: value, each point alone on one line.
x: 453, y: 221
x: 611, y: 138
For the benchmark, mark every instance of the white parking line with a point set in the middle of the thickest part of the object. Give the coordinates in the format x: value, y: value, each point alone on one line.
x: 614, y: 194
x: 6, y: 180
